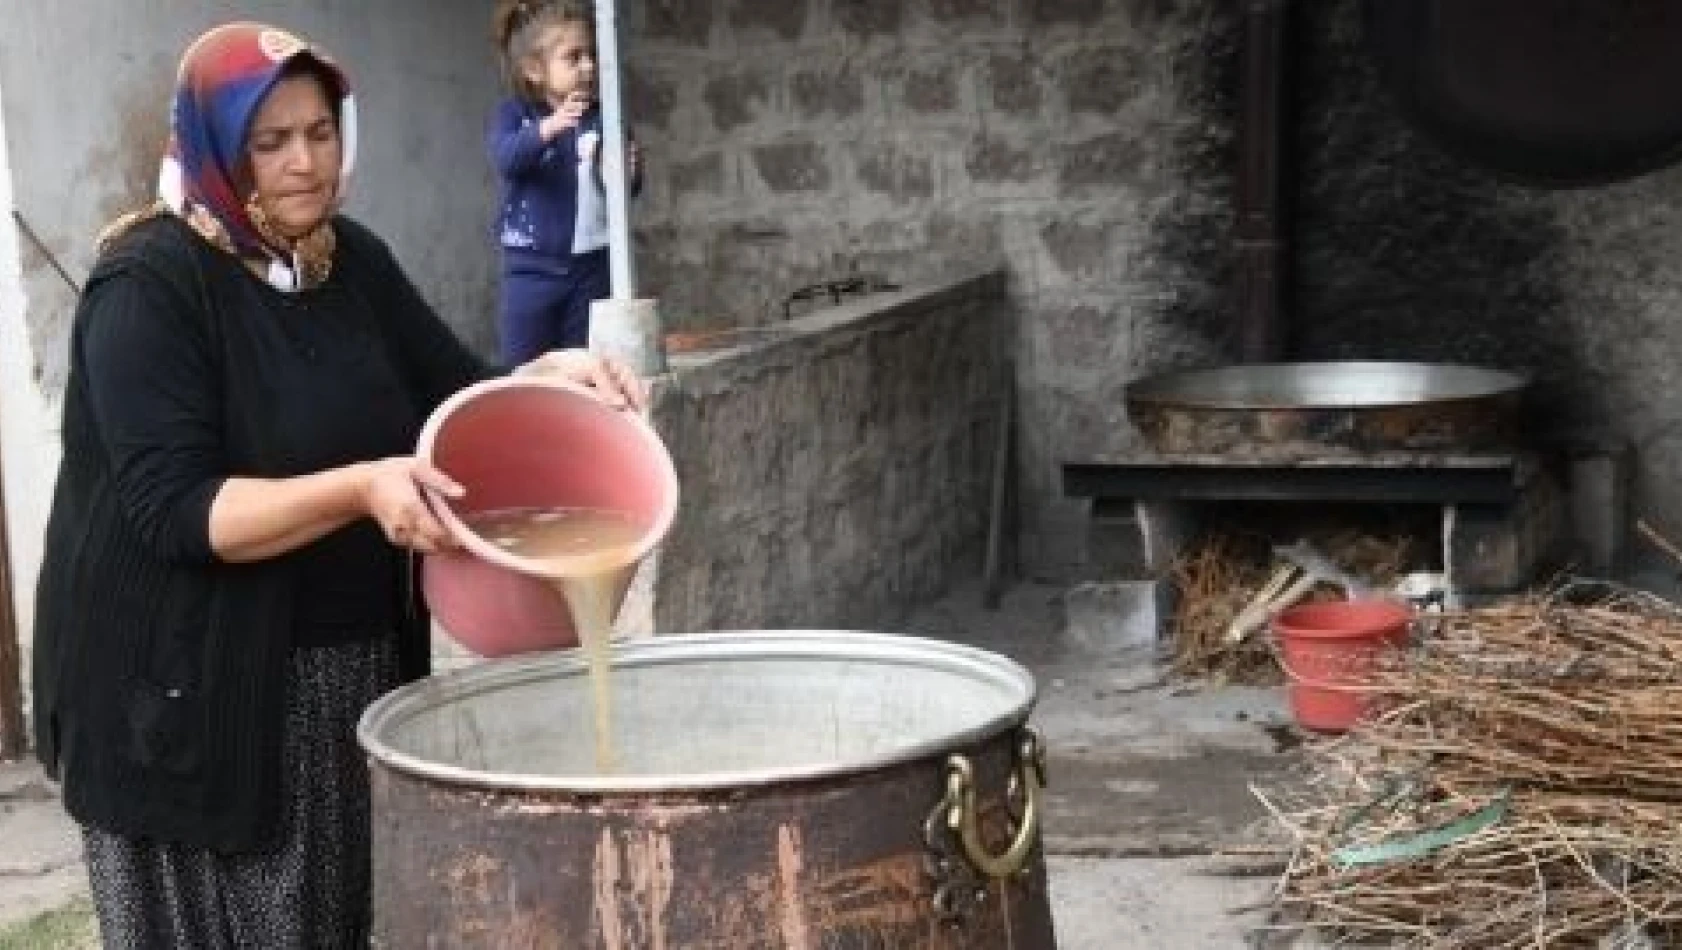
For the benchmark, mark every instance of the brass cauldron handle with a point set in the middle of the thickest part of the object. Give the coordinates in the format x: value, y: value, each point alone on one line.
x: 962, y: 820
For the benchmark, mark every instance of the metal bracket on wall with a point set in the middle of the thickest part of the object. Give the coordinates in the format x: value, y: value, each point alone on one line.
x: 41, y: 248
x: 1259, y: 226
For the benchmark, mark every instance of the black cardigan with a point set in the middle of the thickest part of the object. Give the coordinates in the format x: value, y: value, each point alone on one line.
x: 159, y: 671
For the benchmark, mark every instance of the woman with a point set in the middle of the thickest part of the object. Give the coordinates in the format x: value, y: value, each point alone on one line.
x: 227, y: 575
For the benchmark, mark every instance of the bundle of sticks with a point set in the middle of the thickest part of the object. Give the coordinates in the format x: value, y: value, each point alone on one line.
x: 1523, y: 788
x: 1228, y: 584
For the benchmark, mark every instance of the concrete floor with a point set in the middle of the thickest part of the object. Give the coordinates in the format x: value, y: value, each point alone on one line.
x: 1152, y: 835
x: 1148, y: 792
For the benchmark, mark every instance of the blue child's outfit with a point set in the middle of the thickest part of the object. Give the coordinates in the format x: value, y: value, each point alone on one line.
x: 552, y: 228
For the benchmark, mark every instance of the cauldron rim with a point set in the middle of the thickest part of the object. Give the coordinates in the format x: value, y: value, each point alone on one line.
x: 406, y: 702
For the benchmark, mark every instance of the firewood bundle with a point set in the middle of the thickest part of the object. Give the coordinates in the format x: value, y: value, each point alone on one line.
x: 1522, y: 787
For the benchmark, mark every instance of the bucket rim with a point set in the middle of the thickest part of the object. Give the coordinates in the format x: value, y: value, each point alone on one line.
x: 406, y: 702
x: 1403, y: 615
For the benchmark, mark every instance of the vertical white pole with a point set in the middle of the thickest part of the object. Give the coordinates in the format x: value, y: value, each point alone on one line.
x: 613, y: 152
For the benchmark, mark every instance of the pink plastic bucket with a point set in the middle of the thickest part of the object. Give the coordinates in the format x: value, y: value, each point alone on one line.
x: 530, y: 442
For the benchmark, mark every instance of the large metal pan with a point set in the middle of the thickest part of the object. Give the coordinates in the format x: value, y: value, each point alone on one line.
x: 1558, y: 93
x: 1368, y: 406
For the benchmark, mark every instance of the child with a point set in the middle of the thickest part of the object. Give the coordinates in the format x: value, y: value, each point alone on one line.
x: 546, y: 145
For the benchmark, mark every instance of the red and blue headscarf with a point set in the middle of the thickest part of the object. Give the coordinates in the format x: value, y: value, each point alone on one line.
x: 205, y: 178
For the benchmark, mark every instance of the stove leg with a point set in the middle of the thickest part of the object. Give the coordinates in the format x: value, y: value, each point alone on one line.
x: 1499, y: 549
x: 1167, y: 528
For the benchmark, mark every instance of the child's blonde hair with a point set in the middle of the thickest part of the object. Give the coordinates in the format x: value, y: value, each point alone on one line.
x: 518, y: 26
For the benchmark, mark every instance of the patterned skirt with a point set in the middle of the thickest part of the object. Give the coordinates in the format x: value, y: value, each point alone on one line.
x: 313, y: 891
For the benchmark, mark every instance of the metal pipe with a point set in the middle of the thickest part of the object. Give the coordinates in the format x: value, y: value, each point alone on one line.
x: 613, y: 152
x: 1259, y: 239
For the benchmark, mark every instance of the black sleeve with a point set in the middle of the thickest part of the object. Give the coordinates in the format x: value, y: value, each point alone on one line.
x: 155, y: 393
x: 431, y: 357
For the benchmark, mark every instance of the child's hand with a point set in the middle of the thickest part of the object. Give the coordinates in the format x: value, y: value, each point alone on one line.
x: 566, y: 116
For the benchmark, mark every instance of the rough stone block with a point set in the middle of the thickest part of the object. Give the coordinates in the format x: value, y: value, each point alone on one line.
x: 785, y: 18
x: 931, y: 90
x: 900, y: 175
x: 1110, y: 160
x: 1103, y: 618
x: 819, y: 95
x: 793, y: 167
x: 737, y: 99
x: 1079, y: 249
x: 1064, y: 12
x: 966, y: 12
x: 685, y: 22
x: 995, y: 160
x: 702, y: 175
x: 648, y: 100
x: 869, y: 17
x: 1013, y: 84
x: 1102, y: 81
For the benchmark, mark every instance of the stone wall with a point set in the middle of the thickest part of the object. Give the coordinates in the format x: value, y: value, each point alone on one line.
x: 837, y: 475
x: 1405, y: 252
x: 1086, y: 143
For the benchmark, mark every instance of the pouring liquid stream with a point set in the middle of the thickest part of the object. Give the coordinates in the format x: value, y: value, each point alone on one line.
x: 586, y: 554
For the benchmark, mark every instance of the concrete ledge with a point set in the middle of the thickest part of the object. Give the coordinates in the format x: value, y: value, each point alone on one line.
x: 836, y: 474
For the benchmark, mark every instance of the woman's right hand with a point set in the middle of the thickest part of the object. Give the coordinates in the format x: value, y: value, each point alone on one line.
x: 393, y: 495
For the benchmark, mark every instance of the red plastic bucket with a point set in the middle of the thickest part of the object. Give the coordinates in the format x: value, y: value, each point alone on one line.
x: 1328, y: 651
x: 530, y: 442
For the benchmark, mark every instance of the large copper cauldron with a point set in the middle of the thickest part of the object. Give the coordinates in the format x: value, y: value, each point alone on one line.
x: 777, y: 791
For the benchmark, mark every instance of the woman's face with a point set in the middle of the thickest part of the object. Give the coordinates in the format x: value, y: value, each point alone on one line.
x: 295, y: 155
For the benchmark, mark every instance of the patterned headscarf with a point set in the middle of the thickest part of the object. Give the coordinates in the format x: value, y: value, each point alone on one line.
x: 223, y: 79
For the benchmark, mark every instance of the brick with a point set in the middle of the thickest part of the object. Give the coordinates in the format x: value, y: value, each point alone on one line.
x: 1013, y: 84
x: 899, y: 175
x: 1113, y: 159
x: 648, y: 100
x: 1101, y: 81
x: 702, y: 175
x: 870, y: 17
x: 688, y: 22
x: 1064, y: 12
x: 793, y: 167
x: 931, y: 91
x: 827, y: 94
x: 785, y: 18
x: 994, y: 160
x: 736, y: 100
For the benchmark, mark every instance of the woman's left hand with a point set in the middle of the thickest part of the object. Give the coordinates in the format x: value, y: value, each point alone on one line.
x: 608, y: 380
